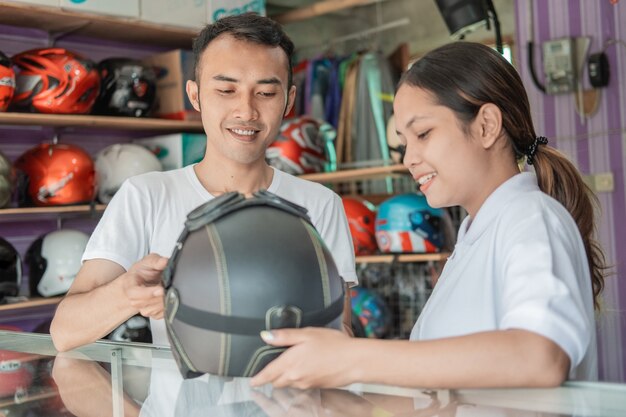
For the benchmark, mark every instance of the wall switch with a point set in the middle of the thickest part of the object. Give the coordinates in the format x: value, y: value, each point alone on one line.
x: 600, y: 183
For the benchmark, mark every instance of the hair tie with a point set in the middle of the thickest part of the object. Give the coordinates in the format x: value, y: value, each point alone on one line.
x: 532, y: 149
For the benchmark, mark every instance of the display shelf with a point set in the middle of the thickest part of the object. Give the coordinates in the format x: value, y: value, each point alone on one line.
x: 402, y: 258
x: 56, y: 20
x: 34, y: 302
x: 78, y: 209
x: 318, y: 9
x: 357, y: 174
x: 99, y: 122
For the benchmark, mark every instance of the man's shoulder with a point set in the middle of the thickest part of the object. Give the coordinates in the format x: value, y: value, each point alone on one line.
x: 301, y: 186
x: 153, y: 179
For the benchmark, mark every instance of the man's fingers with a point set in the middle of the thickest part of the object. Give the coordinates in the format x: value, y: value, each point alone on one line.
x: 267, y: 375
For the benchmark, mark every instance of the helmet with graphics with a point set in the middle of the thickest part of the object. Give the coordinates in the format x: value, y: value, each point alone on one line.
x: 304, y: 145
x: 406, y: 223
x: 55, y: 80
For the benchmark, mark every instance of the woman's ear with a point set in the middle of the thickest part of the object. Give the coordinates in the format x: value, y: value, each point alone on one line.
x: 488, y: 124
x: 192, y: 92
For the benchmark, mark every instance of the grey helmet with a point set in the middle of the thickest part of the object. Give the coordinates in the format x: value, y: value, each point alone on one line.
x: 243, y: 265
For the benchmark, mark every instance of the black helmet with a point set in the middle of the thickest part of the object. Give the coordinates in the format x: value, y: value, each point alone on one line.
x: 242, y: 266
x: 135, y: 329
x: 128, y: 88
x: 10, y: 270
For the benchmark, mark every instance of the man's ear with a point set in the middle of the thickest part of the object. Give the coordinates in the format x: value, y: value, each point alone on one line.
x: 192, y: 93
x: 488, y: 125
x: 291, y: 98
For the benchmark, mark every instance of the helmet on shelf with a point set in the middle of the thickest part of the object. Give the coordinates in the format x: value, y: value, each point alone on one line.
x: 55, y: 175
x: 7, y: 82
x: 128, y: 88
x: 222, y: 285
x: 304, y: 145
x: 6, y: 180
x: 406, y: 223
x: 54, y: 260
x: 10, y: 270
x: 116, y: 163
x: 135, y: 329
x: 55, y: 80
x: 361, y: 217
x: 16, y: 371
x: 371, y: 310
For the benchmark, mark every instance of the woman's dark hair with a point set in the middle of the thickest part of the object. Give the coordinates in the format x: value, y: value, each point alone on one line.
x: 249, y: 27
x: 463, y: 76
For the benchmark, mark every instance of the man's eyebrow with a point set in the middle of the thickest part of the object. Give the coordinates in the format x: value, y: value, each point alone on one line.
x: 272, y: 80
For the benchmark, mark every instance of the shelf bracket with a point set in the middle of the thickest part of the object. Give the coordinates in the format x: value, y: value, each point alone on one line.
x: 53, y: 37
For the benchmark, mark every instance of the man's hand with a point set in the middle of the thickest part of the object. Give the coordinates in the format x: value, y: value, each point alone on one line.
x: 143, y: 286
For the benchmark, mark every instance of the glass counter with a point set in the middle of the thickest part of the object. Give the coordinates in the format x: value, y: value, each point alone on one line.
x: 132, y: 379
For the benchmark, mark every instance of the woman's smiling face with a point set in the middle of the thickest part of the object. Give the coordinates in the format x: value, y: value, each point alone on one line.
x: 444, y: 160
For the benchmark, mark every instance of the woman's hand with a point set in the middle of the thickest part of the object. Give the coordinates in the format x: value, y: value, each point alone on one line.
x: 317, y: 357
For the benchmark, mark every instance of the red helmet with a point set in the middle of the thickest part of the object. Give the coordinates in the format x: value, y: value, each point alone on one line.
x: 54, y: 80
x: 302, y: 146
x: 361, y: 219
x: 7, y: 82
x: 54, y: 175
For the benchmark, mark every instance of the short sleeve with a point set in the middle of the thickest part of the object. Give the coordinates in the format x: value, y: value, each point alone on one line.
x: 333, y: 227
x: 544, y: 282
x: 122, y: 235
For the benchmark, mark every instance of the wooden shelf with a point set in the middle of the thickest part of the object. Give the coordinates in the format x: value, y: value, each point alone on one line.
x: 56, y: 20
x: 99, y: 122
x: 356, y: 174
x: 402, y: 258
x: 35, y: 302
x: 98, y: 208
x: 318, y: 9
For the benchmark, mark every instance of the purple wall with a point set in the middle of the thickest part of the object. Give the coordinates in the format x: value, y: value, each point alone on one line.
x: 595, y: 144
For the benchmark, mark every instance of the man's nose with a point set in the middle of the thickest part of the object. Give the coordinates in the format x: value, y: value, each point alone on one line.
x: 246, y: 109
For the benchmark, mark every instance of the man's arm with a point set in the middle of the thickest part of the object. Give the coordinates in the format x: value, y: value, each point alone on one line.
x: 103, y: 296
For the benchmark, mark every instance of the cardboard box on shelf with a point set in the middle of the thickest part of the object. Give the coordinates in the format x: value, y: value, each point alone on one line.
x: 176, y: 150
x: 217, y: 9
x: 173, y: 69
x: 125, y: 8
x: 185, y: 13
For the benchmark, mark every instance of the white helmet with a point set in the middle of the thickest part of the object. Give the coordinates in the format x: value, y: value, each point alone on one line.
x: 54, y: 261
x: 116, y: 163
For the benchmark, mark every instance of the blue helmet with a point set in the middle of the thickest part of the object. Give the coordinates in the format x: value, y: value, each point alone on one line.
x: 406, y: 223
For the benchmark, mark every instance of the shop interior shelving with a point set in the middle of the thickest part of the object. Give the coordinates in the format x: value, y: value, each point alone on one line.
x: 34, y: 302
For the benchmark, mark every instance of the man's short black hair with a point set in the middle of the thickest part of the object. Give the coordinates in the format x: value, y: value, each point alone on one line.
x: 249, y: 27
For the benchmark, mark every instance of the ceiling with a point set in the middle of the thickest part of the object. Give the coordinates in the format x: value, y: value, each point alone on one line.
x: 425, y: 31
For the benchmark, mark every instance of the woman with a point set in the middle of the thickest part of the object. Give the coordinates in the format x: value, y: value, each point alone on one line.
x: 514, y: 305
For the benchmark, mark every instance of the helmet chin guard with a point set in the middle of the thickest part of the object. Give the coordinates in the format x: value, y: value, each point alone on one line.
x: 241, y: 266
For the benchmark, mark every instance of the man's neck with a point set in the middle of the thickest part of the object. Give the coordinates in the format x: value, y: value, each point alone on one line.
x: 226, y: 176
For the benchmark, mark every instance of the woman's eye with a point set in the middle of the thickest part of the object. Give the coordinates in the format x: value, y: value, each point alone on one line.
x: 423, y: 135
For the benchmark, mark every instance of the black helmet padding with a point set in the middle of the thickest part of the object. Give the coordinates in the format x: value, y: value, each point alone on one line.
x: 243, y: 265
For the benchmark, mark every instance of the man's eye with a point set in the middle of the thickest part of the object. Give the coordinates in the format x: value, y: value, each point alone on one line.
x: 224, y: 91
x: 267, y: 94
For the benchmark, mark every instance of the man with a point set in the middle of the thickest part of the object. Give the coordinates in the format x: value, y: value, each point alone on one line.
x: 242, y: 89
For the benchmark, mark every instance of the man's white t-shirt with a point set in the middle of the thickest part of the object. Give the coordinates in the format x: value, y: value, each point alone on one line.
x: 148, y: 213
x: 521, y: 264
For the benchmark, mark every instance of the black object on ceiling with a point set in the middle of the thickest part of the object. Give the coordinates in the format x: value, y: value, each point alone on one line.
x: 464, y: 16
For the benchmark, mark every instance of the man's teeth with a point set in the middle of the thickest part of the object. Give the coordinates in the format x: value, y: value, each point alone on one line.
x: 424, y: 179
x: 243, y: 132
